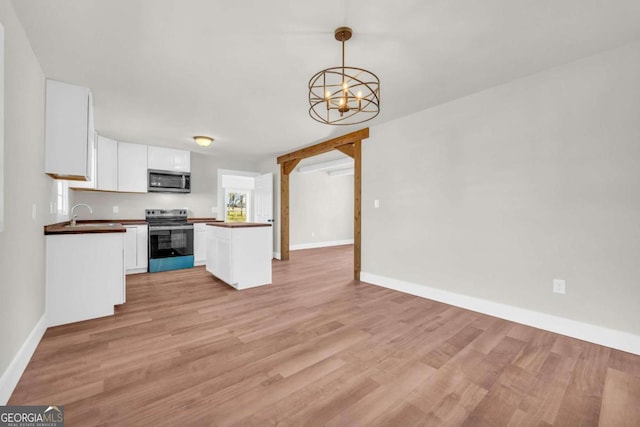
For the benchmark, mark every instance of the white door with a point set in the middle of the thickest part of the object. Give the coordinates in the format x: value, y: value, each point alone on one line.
x: 263, y: 204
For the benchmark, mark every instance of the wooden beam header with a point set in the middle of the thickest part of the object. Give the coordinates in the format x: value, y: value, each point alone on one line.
x: 289, y: 166
x: 325, y: 146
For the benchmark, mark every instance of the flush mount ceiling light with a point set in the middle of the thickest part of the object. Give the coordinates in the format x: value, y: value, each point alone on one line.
x: 344, y: 95
x: 203, y: 141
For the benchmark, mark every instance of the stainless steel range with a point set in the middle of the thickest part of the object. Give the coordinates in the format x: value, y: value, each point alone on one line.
x: 170, y: 239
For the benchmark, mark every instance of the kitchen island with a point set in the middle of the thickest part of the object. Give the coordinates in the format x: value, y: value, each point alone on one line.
x: 240, y: 253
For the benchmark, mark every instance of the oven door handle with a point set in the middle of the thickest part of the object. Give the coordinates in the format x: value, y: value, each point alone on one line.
x: 171, y: 228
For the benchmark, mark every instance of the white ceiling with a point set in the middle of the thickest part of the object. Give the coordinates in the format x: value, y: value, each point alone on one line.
x: 162, y: 71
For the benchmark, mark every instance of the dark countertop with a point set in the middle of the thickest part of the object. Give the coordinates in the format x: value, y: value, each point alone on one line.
x: 61, y: 227
x: 196, y: 220
x: 238, y: 224
x: 113, y: 226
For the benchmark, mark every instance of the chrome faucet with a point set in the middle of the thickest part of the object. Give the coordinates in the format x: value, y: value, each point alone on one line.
x: 74, y: 214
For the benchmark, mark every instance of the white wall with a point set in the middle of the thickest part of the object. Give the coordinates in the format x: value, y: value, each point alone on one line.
x: 202, y: 198
x: 496, y: 194
x: 22, y: 266
x: 320, y: 209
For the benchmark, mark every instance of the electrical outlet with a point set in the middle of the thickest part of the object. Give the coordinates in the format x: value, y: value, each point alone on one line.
x: 214, y: 209
x: 559, y: 286
x: 313, y: 234
x: 116, y: 209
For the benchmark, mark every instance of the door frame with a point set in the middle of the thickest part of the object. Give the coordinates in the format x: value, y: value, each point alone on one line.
x: 349, y: 144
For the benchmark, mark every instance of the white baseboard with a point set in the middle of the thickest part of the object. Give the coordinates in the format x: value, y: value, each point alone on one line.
x: 584, y: 331
x: 14, y: 371
x: 136, y: 271
x: 314, y: 245
x: 276, y: 255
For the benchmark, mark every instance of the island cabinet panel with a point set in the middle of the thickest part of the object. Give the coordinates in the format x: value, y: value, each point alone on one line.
x: 84, y: 276
x: 240, y: 256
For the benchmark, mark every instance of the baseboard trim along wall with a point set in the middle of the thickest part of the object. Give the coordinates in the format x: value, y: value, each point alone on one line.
x: 314, y: 245
x: 595, y: 334
x: 11, y: 376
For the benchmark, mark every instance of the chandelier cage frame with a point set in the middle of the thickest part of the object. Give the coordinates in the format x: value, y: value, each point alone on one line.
x: 344, y: 95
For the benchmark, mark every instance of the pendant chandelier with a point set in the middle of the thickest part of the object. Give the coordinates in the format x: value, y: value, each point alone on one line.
x: 344, y: 95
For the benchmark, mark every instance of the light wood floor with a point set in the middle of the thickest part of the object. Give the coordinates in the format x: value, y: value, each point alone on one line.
x: 316, y: 348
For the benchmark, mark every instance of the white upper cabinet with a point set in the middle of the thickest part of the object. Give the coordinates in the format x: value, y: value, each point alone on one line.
x: 93, y: 153
x: 169, y: 159
x: 132, y: 167
x: 107, y: 164
x: 69, y: 131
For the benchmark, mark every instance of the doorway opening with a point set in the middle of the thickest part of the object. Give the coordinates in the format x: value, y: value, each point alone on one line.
x: 245, y: 196
x: 349, y: 144
x: 321, y: 202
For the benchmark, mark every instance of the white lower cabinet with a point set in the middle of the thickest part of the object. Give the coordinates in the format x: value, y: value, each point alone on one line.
x: 84, y: 276
x: 136, y: 249
x: 200, y: 243
x: 240, y: 255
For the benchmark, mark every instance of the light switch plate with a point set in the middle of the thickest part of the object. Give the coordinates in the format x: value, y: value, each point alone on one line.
x: 559, y: 286
x: 116, y: 209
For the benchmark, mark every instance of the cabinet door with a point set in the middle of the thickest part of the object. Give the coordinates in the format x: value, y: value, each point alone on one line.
x: 169, y: 159
x: 67, y: 131
x: 159, y: 158
x: 142, y: 249
x: 199, y: 243
x: 212, y: 252
x: 132, y: 167
x: 130, y: 247
x: 107, y: 164
x: 182, y: 160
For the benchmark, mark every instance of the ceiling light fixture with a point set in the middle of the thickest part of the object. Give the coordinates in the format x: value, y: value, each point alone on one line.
x: 203, y: 141
x: 344, y: 95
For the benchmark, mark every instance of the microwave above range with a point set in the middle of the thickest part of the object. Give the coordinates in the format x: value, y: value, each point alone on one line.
x: 169, y: 181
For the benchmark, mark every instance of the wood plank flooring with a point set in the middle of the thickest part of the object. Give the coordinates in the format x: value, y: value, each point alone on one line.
x: 316, y: 348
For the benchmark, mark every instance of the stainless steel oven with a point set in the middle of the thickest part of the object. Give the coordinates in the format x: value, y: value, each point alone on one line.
x: 170, y: 239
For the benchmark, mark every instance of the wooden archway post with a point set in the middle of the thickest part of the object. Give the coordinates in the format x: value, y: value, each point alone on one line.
x: 349, y: 144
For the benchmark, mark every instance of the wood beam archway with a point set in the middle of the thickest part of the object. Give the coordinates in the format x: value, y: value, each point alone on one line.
x: 349, y: 144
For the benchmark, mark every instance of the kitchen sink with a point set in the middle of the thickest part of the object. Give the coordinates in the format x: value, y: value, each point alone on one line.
x: 94, y: 224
